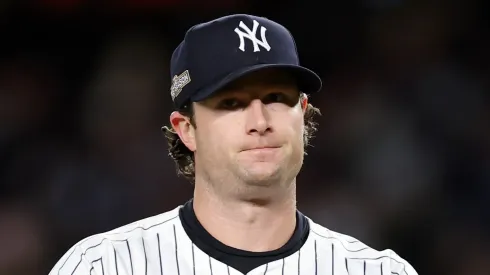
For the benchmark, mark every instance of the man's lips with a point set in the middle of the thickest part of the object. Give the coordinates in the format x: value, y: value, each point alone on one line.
x: 262, y: 148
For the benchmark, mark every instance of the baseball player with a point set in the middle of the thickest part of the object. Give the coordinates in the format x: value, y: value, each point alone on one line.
x: 238, y: 132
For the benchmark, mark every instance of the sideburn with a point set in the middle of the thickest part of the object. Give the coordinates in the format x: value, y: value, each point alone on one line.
x: 188, y: 111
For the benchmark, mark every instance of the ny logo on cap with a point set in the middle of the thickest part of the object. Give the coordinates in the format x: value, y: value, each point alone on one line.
x: 252, y: 36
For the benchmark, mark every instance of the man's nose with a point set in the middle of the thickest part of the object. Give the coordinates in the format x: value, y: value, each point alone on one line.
x: 258, y: 121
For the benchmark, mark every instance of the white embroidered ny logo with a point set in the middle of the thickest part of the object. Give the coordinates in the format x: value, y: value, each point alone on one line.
x: 252, y: 36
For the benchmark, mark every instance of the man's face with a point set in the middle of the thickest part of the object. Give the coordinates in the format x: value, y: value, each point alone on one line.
x: 252, y: 132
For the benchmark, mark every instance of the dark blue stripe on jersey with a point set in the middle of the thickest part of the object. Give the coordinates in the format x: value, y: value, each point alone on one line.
x: 115, y: 260
x: 101, y: 264
x: 176, y: 252
x: 74, y: 248
x: 283, y: 264
x: 210, y: 265
x: 144, y: 252
x: 160, y: 254
x: 75, y: 267
x: 130, y: 258
x: 299, y: 261
x: 327, y: 237
x: 381, y: 268
x: 228, y: 267
x: 316, y: 260
x: 347, y: 265
x: 333, y: 260
x: 364, y: 267
x: 193, y: 260
x: 266, y: 267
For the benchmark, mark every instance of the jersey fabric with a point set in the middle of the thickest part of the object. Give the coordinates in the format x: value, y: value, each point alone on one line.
x: 175, y: 243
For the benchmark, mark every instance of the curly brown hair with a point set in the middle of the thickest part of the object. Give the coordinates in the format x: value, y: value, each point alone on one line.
x: 184, y: 158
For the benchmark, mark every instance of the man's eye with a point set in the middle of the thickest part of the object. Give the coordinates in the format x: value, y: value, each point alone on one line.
x: 274, y: 97
x: 229, y: 103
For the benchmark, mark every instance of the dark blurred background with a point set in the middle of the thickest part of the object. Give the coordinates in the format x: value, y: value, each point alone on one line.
x: 401, y: 159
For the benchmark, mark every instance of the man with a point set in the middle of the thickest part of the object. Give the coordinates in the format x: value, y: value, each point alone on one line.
x: 241, y: 124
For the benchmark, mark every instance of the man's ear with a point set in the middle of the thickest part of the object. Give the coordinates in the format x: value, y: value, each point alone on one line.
x: 184, y: 128
x: 304, y: 102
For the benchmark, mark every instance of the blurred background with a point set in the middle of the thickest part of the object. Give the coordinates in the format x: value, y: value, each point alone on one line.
x: 401, y: 159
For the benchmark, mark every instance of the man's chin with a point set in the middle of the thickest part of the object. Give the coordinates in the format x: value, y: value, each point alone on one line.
x: 262, y: 176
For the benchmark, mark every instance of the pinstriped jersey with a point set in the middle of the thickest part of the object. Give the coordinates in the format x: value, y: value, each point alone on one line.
x: 159, y: 245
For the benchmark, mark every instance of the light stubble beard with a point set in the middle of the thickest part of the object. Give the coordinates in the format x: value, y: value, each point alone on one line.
x: 278, y: 183
x: 236, y: 183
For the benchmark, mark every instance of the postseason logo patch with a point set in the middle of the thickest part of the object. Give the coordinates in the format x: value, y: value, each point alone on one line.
x: 178, y: 83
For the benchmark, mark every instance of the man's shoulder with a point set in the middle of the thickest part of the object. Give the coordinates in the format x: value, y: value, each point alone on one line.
x: 136, y: 229
x: 105, y: 242
x: 166, y: 219
x: 344, y: 241
x: 358, y: 255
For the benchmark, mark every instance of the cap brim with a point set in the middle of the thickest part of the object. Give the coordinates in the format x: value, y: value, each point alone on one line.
x: 308, y: 81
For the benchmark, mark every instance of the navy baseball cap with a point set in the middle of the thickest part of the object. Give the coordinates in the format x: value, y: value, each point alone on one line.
x: 216, y: 53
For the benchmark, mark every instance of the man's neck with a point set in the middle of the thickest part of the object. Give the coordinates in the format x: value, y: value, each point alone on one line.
x: 255, y: 226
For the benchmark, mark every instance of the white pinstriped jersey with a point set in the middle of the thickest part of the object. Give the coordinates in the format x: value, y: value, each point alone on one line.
x: 159, y: 245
